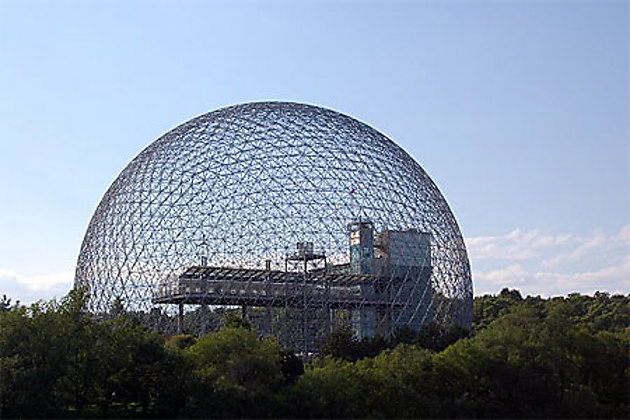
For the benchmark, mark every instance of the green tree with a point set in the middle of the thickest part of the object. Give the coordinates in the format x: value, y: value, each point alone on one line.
x: 142, y: 376
x: 341, y: 344
x: 292, y: 367
x: 31, y: 361
x: 181, y: 341
x: 396, y: 383
x: 43, y: 351
x: 331, y: 388
x: 237, y: 373
x: 5, y: 304
x: 437, y: 337
x: 57, y: 361
x: 487, y: 308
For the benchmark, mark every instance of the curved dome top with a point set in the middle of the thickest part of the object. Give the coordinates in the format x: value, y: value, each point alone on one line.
x: 243, y: 184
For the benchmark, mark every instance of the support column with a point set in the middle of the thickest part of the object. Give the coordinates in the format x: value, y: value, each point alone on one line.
x: 329, y: 313
x: 180, y: 318
x: 268, y: 328
x: 305, y: 311
x: 203, y: 312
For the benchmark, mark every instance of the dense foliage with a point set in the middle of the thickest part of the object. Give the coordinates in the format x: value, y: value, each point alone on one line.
x: 526, y: 357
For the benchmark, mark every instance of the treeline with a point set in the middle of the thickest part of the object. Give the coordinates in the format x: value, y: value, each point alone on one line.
x: 526, y: 357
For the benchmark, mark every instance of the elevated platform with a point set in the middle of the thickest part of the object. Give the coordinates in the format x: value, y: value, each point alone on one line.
x: 268, y: 288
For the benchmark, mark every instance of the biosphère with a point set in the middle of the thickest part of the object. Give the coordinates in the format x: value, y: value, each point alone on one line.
x: 298, y: 218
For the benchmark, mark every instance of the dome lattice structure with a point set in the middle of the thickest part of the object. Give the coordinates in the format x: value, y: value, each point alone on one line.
x: 304, y: 218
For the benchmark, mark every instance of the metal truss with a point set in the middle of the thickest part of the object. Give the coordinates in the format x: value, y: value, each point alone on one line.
x: 258, y: 201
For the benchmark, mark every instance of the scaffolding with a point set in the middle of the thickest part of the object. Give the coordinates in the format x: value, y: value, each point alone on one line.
x: 385, y: 285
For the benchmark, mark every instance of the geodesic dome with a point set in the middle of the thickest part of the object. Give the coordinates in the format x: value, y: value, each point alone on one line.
x: 254, y: 188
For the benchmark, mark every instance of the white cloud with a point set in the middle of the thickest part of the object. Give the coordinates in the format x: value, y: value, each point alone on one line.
x: 543, y: 264
x: 28, y: 289
x: 516, y: 245
x: 534, y: 262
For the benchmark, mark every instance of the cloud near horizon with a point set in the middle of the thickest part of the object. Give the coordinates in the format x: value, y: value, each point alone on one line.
x: 29, y: 289
x: 534, y: 262
x: 538, y: 263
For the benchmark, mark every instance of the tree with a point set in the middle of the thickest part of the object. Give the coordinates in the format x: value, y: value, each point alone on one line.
x: 57, y: 361
x: 487, y: 308
x: 181, y: 341
x: 5, y: 304
x: 292, y: 367
x: 144, y: 377
x: 396, y: 383
x: 437, y: 337
x: 231, y: 367
x: 341, y: 344
x: 560, y: 357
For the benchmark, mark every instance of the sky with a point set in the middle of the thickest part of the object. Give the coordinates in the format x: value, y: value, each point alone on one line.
x: 518, y: 110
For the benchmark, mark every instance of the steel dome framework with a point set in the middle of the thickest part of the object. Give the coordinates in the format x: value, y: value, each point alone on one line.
x: 303, y: 217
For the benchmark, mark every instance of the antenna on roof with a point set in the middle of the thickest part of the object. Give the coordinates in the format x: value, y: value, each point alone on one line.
x: 204, y: 251
x: 357, y: 206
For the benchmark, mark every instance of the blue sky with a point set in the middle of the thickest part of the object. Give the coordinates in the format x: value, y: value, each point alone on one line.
x: 518, y: 111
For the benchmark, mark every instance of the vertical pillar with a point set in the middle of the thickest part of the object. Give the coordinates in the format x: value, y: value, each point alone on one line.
x: 331, y: 320
x: 329, y: 317
x: 305, y: 311
x: 180, y: 318
x: 268, y: 322
x: 203, y: 312
x: 268, y: 297
x: 203, y: 308
x: 284, y: 317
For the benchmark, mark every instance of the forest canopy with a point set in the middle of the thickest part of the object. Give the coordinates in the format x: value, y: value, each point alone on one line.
x: 525, y: 357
